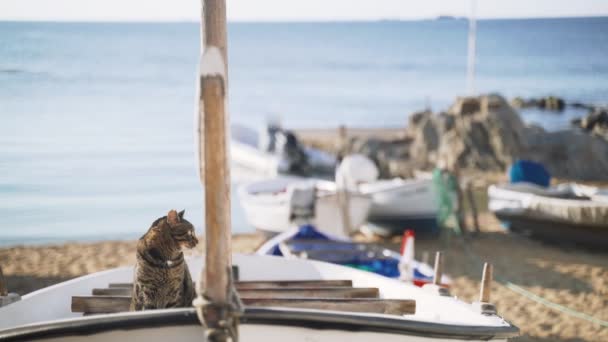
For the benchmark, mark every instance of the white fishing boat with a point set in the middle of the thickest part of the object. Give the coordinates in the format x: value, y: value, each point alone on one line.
x: 565, y: 213
x: 397, y: 204
x: 267, y: 205
x: 251, y: 150
x: 269, y: 298
x: 397, y: 311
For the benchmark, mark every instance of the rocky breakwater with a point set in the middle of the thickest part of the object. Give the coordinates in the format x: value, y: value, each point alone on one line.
x: 484, y: 134
x: 596, y: 122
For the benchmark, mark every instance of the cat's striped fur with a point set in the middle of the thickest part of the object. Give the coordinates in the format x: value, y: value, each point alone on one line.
x: 162, y: 279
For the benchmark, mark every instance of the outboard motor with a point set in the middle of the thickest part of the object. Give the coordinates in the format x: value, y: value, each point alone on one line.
x: 302, y: 203
x: 273, y: 131
x: 294, y: 157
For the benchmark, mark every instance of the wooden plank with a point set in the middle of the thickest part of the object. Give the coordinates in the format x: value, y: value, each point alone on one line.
x: 241, y: 285
x: 272, y: 284
x: 113, y: 304
x: 281, y: 292
x: 328, y: 292
x: 379, y: 306
x: 104, y: 304
x: 113, y: 291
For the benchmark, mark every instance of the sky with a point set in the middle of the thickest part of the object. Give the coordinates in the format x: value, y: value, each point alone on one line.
x: 292, y: 10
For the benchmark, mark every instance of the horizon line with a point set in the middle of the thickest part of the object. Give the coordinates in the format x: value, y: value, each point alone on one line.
x: 286, y: 21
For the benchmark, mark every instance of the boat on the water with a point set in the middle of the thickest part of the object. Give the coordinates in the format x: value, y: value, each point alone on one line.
x: 567, y: 213
x: 309, y: 243
x: 268, y: 205
x: 281, y: 300
x: 278, y: 153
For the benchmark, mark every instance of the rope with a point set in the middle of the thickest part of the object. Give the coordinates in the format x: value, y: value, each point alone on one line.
x: 226, y: 328
x: 519, y: 290
x: 536, y: 298
x: 445, y: 187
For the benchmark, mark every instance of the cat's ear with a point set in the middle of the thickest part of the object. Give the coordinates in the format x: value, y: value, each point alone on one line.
x: 172, y: 217
x: 181, y: 214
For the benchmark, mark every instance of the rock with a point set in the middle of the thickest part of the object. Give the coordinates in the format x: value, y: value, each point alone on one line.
x: 491, y: 136
x: 425, y: 140
x: 521, y: 103
x: 581, y: 105
x: 465, y: 106
x: 486, y: 134
x: 382, y: 151
x: 415, y: 118
x: 569, y: 154
x: 551, y: 103
x: 596, y: 122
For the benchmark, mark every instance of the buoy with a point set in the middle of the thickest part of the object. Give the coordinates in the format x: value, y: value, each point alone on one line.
x: 406, y: 262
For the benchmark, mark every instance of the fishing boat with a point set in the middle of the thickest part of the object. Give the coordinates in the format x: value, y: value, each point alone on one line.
x: 281, y: 299
x: 252, y: 150
x: 566, y: 213
x: 309, y: 243
x: 397, y: 204
x: 248, y: 297
x: 268, y: 205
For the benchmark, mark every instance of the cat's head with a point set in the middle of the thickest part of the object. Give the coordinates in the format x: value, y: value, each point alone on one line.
x: 181, y: 230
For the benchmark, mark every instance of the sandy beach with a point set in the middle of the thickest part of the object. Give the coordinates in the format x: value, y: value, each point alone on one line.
x: 571, y: 277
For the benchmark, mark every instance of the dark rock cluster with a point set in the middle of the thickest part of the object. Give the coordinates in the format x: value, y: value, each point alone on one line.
x: 484, y: 133
x: 596, y: 122
x: 545, y: 103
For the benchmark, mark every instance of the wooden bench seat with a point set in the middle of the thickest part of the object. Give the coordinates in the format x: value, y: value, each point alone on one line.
x: 114, y: 304
x: 335, y: 295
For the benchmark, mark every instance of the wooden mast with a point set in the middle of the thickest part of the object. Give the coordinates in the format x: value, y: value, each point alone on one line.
x: 214, y: 166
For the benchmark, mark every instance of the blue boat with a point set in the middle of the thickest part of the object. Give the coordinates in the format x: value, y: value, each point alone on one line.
x: 309, y: 243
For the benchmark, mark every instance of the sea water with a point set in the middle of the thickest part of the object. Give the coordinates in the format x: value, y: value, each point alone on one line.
x: 97, y: 137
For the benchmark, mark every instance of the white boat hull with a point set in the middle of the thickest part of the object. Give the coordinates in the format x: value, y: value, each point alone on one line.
x: 398, y: 198
x: 269, y: 210
x: 245, y: 152
x: 250, y: 332
x: 47, y: 312
x: 399, y: 204
x: 569, y: 213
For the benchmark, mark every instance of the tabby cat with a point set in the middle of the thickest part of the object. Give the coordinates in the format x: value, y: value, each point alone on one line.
x: 162, y: 279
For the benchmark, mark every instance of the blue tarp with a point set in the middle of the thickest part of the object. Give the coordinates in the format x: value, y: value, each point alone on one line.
x: 387, y: 266
x: 530, y: 172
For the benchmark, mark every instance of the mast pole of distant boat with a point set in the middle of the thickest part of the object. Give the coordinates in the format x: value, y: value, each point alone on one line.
x: 471, y: 50
x: 214, y: 296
